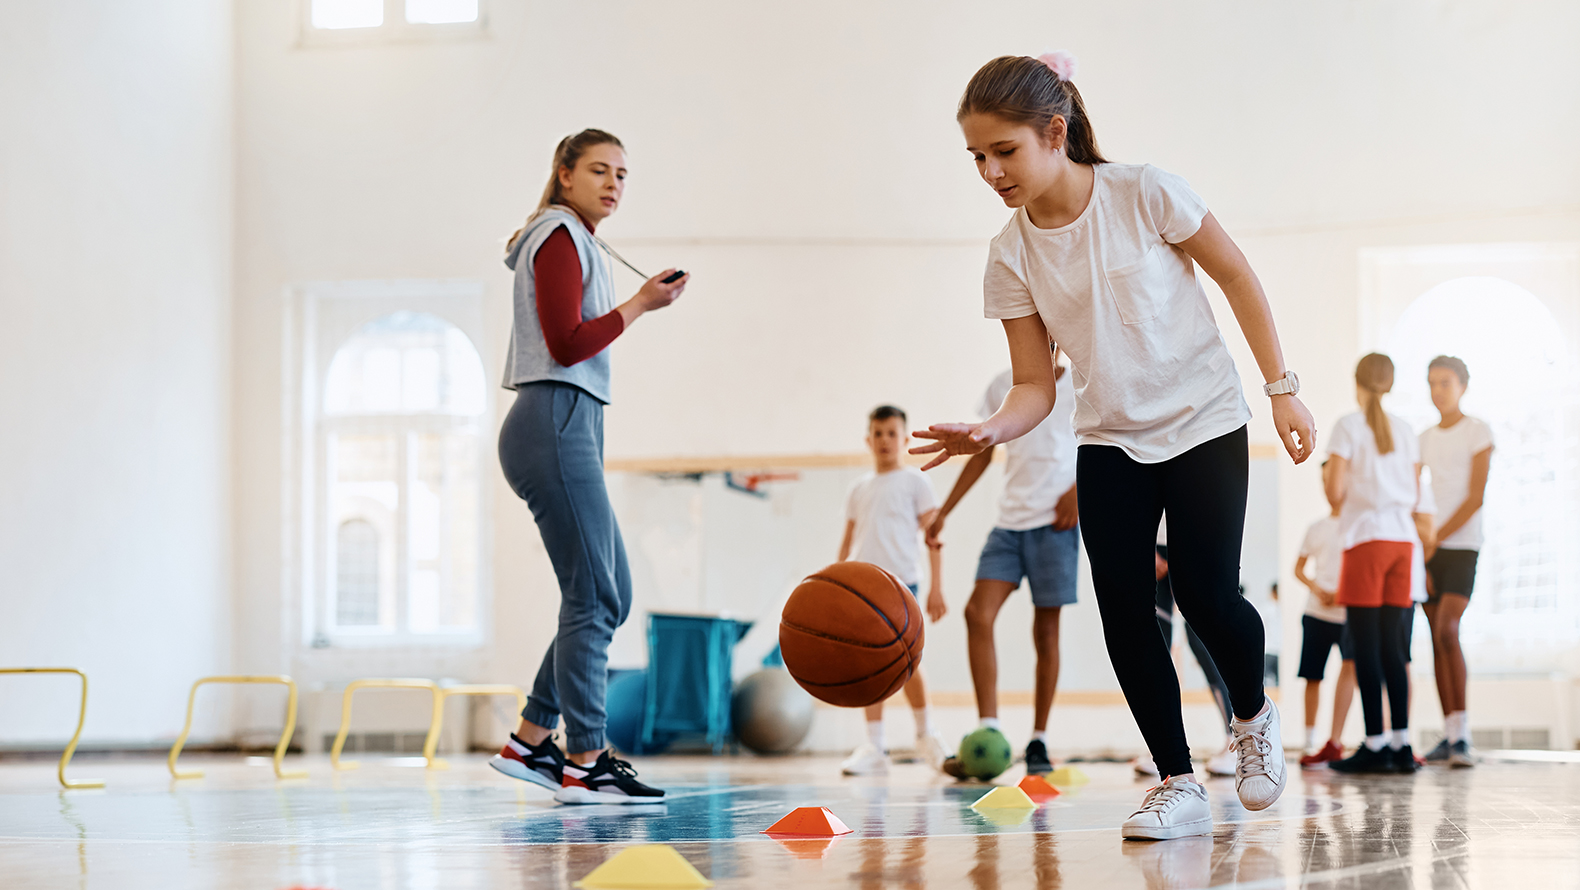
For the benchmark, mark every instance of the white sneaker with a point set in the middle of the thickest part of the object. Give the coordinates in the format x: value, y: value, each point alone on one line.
x: 1223, y: 763
x: 866, y: 760
x: 931, y: 750
x: 1145, y: 766
x: 1176, y: 808
x: 1260, y: 773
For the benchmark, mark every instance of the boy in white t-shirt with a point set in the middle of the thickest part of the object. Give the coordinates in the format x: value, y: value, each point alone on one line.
x: 885, y: 513
x: 1322, y: 625
x: 1458, y: 451
x: 1036, y: 538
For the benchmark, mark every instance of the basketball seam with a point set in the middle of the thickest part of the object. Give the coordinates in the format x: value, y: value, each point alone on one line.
x: 864, y: 679
x: 820, y: 635
x: 899, y: 633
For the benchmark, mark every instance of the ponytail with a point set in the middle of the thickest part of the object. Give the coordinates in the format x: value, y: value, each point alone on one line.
x: 1033, y: 91
x: 566, y: 154
x: 1374, y: 377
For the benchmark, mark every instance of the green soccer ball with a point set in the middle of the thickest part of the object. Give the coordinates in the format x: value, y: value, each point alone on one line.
x: 985, y: 753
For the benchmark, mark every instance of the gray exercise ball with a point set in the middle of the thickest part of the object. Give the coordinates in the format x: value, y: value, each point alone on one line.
x: 770, y: 712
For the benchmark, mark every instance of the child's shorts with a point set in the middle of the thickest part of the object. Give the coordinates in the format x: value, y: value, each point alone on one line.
x: 1376, y: 573
x: 1452, y: 571
x: 1318, y: 639
x: 1048, y: 559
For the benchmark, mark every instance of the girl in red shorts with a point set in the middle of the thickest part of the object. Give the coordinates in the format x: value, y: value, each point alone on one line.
x: 1375, y: 467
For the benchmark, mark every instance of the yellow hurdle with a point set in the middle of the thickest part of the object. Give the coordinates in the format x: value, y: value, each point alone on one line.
x: 469, y: 689
x: 429, y: 744
x: 279, y: 749
x: 82, y: 714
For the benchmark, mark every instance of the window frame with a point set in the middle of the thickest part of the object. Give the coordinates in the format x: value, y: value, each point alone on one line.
x: 320, y: 318
x: 394, y: 29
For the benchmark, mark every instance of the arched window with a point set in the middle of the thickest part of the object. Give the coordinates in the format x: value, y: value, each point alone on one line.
x: 400, y: 424
x: 1523, y: 382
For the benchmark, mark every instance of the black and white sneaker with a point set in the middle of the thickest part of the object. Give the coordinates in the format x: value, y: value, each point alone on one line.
x: 608, y: 780
x: 1460, y: 754
x: 539, y: 764
x: 1037, y: 762
x: 1440, y: 753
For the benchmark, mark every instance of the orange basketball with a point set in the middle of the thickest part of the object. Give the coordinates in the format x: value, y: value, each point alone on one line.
x: 851, y: 634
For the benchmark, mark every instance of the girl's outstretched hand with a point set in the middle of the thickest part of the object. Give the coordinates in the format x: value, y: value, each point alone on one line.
x: 950, y: 439
x: 1293, y: 422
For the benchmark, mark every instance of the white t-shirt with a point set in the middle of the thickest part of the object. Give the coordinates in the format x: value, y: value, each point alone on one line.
x: 1039, y: 467
x: 1382, y: 487
x: 1426, y: 505
x: 1151, y: 372
x: 1324, y: 552
x: 1448, y: 453
x: 887, y: 509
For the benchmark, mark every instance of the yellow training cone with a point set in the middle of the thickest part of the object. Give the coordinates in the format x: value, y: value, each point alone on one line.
x: 1067, y: 776
x: 645, y: 867
x: 1005, y: 797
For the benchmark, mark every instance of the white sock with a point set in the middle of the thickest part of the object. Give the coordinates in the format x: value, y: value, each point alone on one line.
x: 991, y: 723
x: 1377, y: 742
x: 1040, y: 735
x: 1458, y: 727
x: 875, y: 733
x: 924, y: 721
x: 1311, y: 738
x: 1398, y: 738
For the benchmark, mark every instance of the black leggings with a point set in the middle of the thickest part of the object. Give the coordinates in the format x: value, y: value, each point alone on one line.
x: 1220, y: 690
x: 1378, y: 634
x: 1203, y: 492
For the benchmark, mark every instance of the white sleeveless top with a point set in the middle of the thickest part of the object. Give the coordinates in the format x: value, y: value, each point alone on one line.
x: 528, y: 359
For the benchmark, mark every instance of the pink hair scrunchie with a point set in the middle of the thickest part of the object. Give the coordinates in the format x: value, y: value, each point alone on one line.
x: 1060, y: 62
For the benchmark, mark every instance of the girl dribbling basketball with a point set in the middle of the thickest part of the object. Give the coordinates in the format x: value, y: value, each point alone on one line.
x: 1098, y: 256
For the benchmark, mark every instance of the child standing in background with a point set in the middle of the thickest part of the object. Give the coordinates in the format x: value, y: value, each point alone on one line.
x: 1036, y: 538
x: 1374, y: 473
x: 1458, y: 450
x: 1322, y: 627
x: 885, y: 514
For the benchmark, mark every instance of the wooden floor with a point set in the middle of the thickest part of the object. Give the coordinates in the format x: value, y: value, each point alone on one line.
x: 392, y: 825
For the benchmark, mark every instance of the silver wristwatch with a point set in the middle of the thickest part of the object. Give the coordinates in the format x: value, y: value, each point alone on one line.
x: 1288, y: 384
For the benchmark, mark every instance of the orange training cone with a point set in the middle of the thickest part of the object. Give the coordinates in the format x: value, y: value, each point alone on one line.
x: 809, y: 822
x: 1038, y: 789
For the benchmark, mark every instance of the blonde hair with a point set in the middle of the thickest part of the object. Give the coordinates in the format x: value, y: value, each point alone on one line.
x: 566, y: 154
x: 1374, y: 376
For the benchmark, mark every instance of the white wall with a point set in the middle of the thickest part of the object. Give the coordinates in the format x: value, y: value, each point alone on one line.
x: 115, y: 245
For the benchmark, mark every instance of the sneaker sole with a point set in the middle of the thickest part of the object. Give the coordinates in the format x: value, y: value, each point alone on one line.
x: 575, y: 795
x: 1258, y: 807
x: 515, y: 770
x: 1461, y: 762
x: 1165, y: 833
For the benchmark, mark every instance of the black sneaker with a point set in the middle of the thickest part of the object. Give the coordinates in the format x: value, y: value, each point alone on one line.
x: 1438, y: 754
x: 541, y: 764
x: 608, y: 780
x: 1365, y: 760
x: 1037, y: 762
x: 1404, y: 760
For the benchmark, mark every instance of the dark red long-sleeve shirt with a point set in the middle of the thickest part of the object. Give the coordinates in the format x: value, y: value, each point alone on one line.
x: 557, y: 277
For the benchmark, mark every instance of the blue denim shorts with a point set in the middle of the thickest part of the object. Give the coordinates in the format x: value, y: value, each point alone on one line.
x: 1048, y: 559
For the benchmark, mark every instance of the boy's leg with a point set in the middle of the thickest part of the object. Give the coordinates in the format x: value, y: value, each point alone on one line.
x: 1365, y: 631
x: 981, y: 611
x: 915, y: 690
x: 1395, y: 674
x: 1313, y: 701
x: 1343, y: 696
x: 1121, y: 503
x: 1045, y: 636
x: 1445, y: 642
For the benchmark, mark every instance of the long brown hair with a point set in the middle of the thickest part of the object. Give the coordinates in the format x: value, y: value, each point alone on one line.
x: 1025, y: 90
x: 566, y: 154
x: 1374, y: 376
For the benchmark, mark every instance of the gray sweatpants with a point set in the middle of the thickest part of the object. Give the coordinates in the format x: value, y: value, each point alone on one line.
x: 551, y: 449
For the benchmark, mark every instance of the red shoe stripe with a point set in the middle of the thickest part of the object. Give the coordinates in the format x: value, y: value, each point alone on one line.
x: 509, y: 753
x: 571, y: 781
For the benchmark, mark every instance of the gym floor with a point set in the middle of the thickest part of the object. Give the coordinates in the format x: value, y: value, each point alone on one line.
x: 393, y: 824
